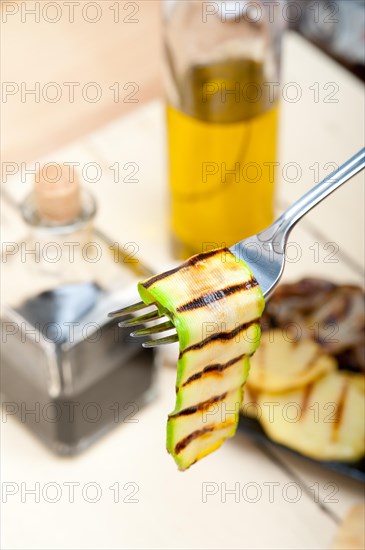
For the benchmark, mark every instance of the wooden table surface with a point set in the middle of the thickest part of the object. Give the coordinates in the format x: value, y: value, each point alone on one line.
x: 122, y: 46
x: 173, y: 510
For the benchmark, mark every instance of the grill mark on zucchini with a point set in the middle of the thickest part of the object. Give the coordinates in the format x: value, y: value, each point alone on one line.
x: 218, y: 367
x: 188, y: 439
x: 210, y: 297
x: 189, y: 263
x: 339, y: 411
x: 306, y: 394
x: 183, y: 443
x: 200, y: 406
x: 228, y: 335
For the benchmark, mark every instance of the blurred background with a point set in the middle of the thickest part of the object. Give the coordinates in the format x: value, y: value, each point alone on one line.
x: 75, y: 52
x: 135, y: 134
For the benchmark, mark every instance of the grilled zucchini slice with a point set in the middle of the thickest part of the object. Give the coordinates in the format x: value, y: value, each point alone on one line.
x: 324, y: 420
x: 282, y: 365
x: 215, y: 304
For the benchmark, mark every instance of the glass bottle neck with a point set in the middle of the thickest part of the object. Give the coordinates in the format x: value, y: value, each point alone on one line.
x: 56, y: 249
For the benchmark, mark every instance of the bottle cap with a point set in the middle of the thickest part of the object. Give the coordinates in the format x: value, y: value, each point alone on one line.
x: 57, y: 193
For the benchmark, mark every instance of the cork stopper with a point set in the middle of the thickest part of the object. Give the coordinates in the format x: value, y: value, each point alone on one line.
x: 57, y: 194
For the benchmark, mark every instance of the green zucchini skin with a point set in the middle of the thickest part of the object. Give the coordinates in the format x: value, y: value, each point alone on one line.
x: 215, y: 304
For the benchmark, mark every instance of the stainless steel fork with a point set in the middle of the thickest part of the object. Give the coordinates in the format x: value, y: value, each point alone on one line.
x: 264, y: 253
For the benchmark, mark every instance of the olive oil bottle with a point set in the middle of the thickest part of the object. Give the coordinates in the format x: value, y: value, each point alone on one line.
x: 222, y: 118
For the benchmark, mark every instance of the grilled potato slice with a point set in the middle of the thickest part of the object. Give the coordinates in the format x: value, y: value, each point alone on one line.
x: 280, y: 364
x: 324, y: 420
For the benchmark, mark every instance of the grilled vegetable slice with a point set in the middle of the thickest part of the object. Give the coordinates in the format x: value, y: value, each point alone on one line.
x: 324, y: 420
x: 334, y: 315
x: 215, y: 304
x: 281, y: 364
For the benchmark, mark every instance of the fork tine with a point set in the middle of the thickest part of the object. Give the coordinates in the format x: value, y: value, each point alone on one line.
x: 154, y: 315
x: 127, y: 310
x: 153, y: 330
x: 161, y: 342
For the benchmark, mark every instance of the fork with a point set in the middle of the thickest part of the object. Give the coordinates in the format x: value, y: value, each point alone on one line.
x: 264, y: 253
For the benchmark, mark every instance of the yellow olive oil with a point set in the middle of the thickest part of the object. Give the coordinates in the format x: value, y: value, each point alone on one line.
x: 222, y: 154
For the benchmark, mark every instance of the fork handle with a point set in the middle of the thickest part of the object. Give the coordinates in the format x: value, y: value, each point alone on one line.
x: 280, y: 229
